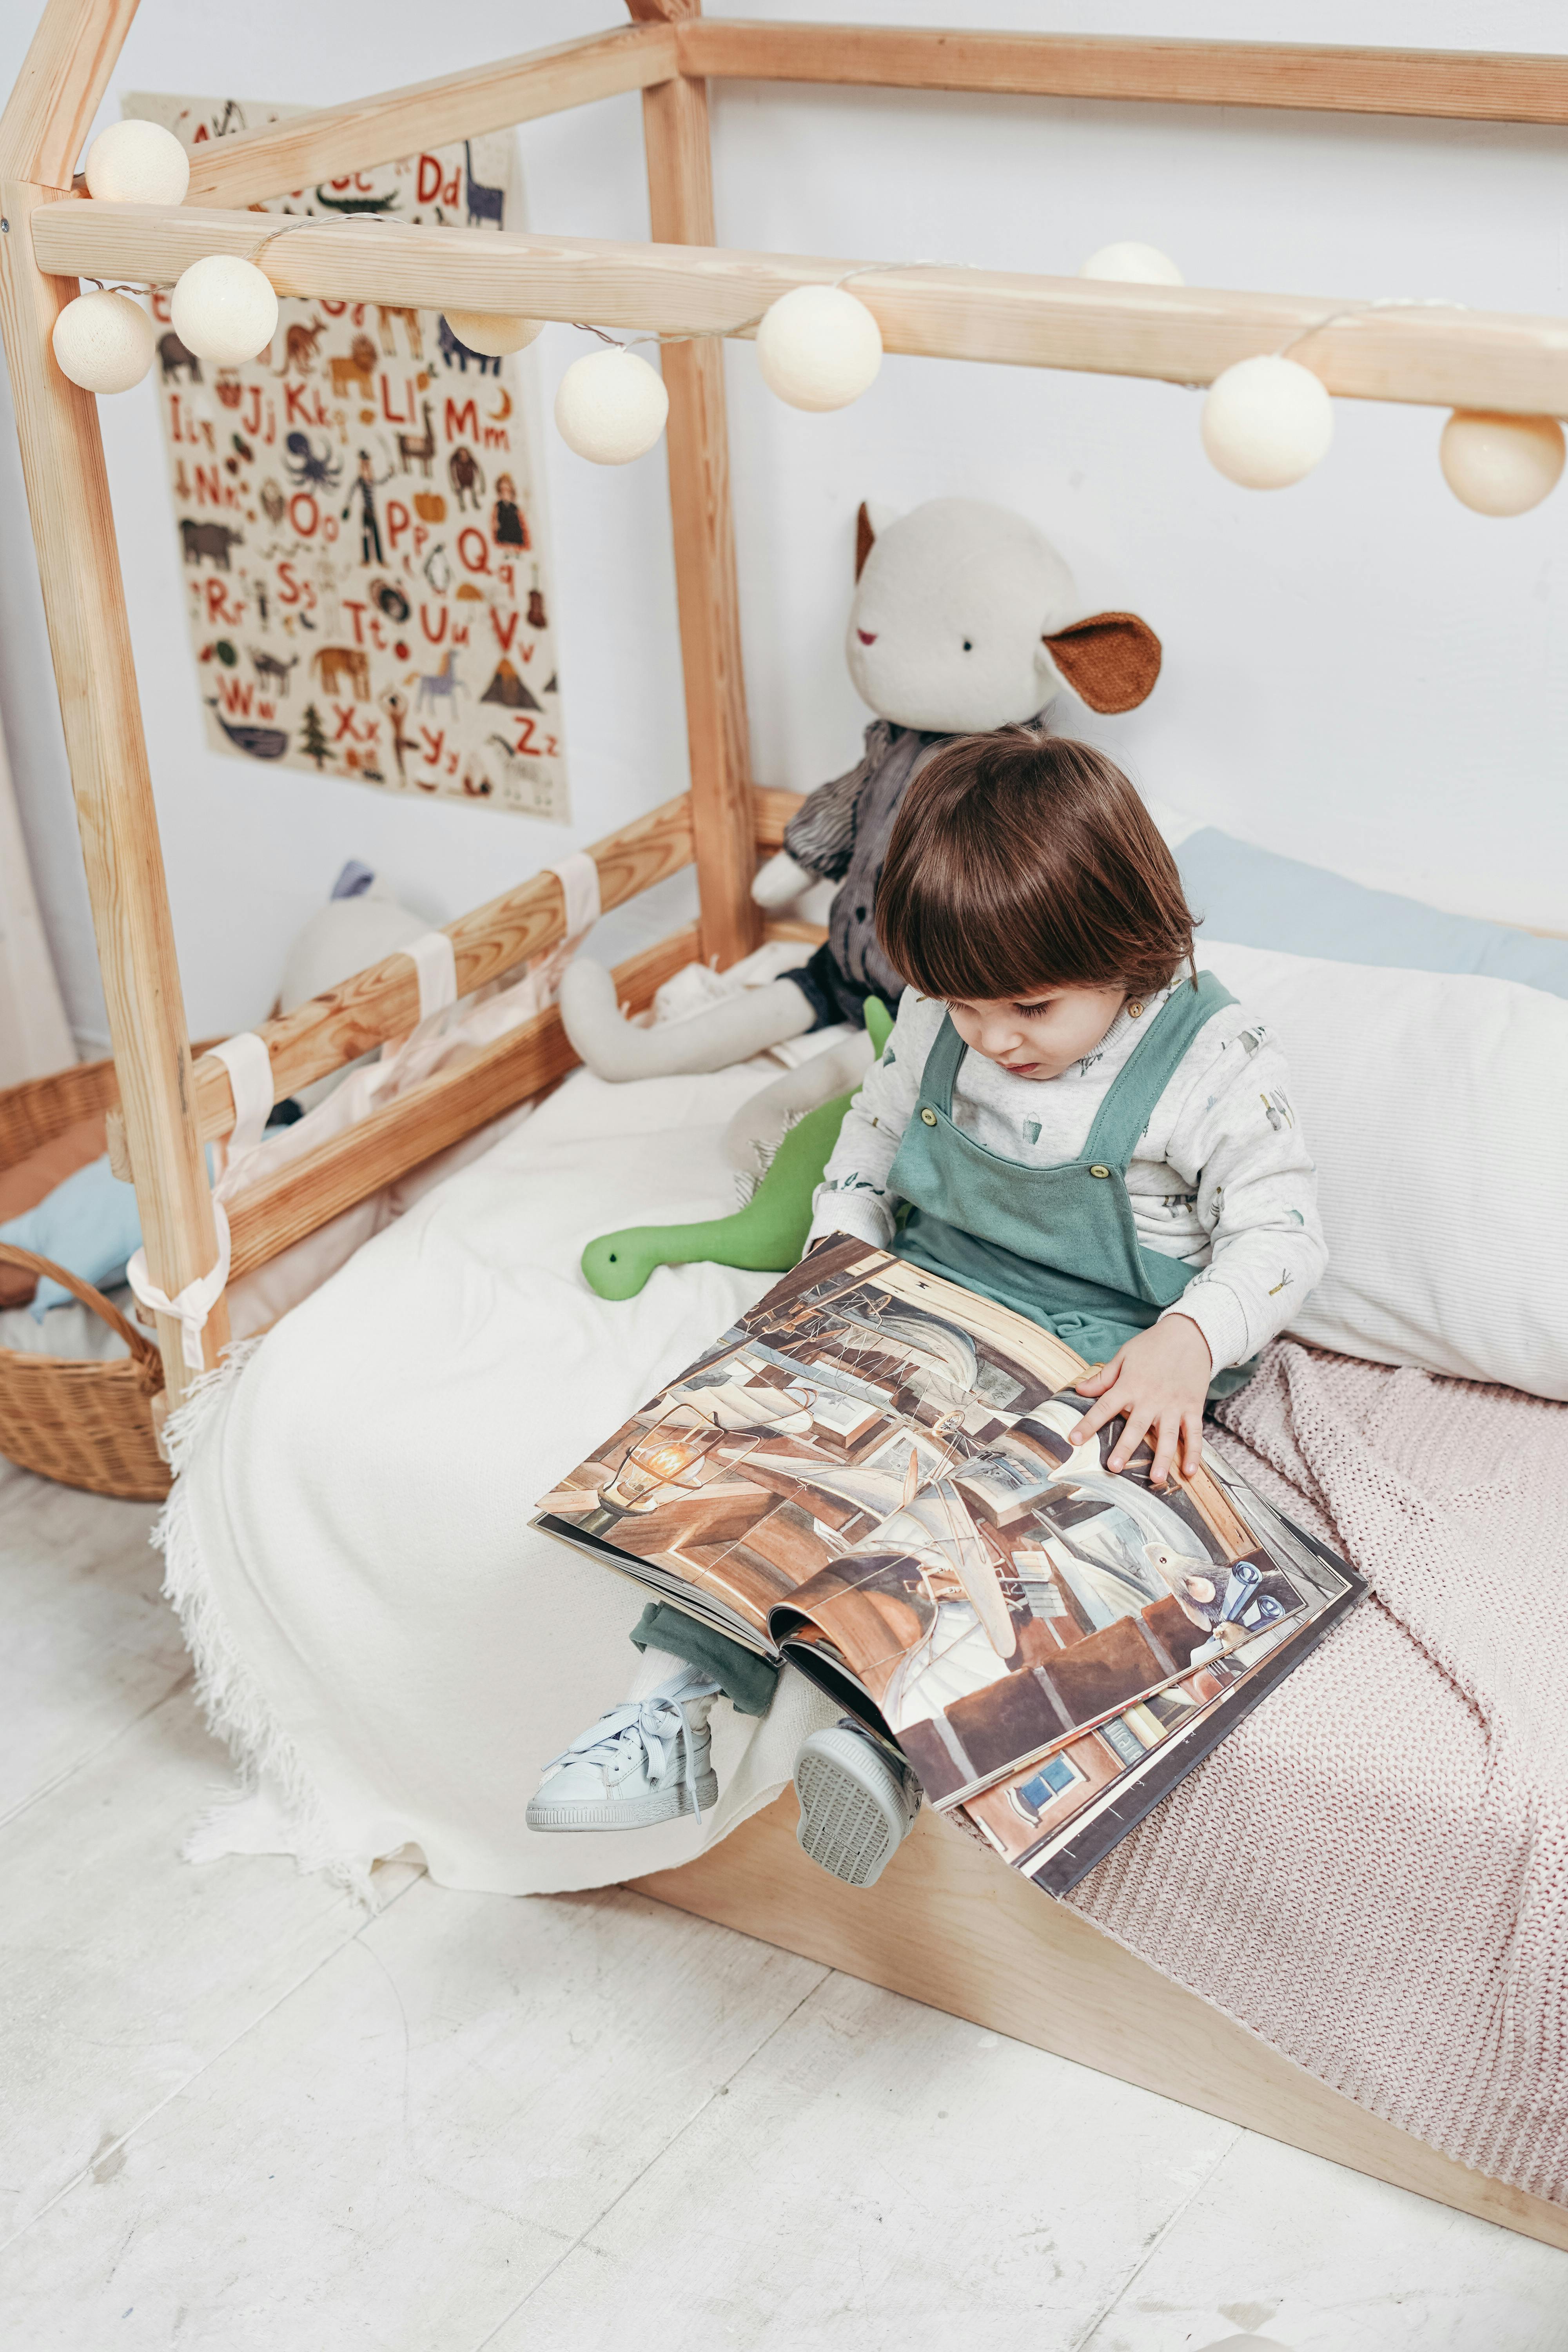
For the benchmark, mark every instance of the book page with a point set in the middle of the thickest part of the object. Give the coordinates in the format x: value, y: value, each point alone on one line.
x: 877, y: 1467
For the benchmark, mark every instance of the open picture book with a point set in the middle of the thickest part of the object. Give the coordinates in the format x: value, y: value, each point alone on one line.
x: 878, y: 1477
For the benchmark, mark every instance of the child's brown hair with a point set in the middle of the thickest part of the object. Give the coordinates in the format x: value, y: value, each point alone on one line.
x: 1024, y: 861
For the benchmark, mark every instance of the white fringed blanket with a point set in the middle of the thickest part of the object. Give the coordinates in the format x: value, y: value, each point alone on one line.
x: 391, y: 1651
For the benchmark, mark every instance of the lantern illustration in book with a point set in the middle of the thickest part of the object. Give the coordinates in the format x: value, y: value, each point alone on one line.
x: 331, y: 497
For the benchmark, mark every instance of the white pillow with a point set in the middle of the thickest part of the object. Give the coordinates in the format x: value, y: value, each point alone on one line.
x: 1436, y: 1105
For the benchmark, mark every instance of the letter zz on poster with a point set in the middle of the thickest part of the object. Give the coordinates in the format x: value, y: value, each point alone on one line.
x: 358, y: 520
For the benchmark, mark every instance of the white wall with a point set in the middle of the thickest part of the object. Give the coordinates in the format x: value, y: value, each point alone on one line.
x: 1358, y: 671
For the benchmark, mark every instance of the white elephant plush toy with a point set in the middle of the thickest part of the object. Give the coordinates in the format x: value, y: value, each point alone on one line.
x: 962, y: 622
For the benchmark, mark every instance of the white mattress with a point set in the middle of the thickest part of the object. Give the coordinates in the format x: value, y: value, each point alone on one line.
x: 391, y: 1648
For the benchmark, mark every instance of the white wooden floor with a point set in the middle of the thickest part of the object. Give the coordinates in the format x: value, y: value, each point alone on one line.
x: 237, y: 2113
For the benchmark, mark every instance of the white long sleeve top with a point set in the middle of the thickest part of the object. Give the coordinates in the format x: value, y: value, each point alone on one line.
x: 1221, y: 1178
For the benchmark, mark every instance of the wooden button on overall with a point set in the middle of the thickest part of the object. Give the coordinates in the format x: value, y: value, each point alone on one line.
x: 1100, y: 1172
x: 929, y: 1117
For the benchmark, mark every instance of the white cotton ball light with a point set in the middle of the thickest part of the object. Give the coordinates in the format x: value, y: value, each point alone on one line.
x: 1132, y: 264
x: 1497, y: 465
x: 137, y: 163
x: 1266, y: 422
x: 493, y: 333
x: 818, y: 348
x: 610, y: 407
x: 224, y: 310
x: 104, y: 342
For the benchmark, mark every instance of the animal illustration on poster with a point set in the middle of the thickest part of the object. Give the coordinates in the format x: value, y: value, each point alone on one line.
x: 352, y: 506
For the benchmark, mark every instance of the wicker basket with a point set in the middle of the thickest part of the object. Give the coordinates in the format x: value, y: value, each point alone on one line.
x: 86, y: 1424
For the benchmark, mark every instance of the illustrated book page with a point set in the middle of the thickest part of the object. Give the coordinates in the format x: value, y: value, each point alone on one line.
x: 880, y: 1478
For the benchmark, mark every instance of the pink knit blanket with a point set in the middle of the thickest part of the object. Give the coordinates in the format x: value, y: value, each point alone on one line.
x: 1372, y: 1872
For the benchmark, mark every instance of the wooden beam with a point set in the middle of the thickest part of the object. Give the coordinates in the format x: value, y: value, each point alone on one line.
x: 272, y: 1215
x: 790, y: 927
x: 949, y: 1925
x: 60, y: 88
x: 383, y: 1001
x: 772, y: 810
x: 681, y: 203
x: 336, y: 139
x: 1470, y: 86
x: 63, y: 80
x: 1446, y: 359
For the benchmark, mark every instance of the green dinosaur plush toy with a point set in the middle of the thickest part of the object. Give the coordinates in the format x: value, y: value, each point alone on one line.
x: 767, y: 1236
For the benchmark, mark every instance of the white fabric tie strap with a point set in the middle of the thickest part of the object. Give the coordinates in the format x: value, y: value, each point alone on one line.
x: 579, y: 880
x: 434, y: 963
x: 196, y: 1302
x: 249, y: 1068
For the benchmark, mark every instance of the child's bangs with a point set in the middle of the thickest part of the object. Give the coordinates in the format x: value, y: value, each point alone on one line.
x: 982, y: 933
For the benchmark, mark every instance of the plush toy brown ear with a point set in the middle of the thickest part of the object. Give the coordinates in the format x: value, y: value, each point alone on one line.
x: 865, y: 538
x: 1111, y: 661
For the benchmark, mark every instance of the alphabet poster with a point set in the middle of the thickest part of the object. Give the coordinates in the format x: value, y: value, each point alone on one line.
x: 358, y: 520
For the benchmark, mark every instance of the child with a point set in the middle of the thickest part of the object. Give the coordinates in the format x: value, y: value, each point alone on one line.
x: 1072, y: 1122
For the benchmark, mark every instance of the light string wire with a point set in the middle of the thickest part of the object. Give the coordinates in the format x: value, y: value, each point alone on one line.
x: 740, y: 326
x: 1361, y: 309
x: 299, y: 220
x: 1334, y: 319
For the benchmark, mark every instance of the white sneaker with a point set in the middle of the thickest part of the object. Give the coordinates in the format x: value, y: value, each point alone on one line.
x: 857, y: 1802
x: 648, y: 1760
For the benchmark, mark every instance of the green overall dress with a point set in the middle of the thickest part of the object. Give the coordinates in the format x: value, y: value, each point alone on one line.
x: 1058, y: 1245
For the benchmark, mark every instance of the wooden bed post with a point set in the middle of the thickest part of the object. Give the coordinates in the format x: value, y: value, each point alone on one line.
x: 680, y: 199
x: 62, y: 84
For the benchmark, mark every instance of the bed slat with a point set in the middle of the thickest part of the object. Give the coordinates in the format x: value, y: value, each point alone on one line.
x: 383, y: 1001
x: 271, y: 1216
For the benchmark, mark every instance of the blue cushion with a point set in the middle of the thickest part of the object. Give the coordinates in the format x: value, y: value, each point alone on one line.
x: 1258, y: 900
x: 88, y: 1224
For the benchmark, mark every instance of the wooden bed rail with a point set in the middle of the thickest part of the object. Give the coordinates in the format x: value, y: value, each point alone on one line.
x: 332, y: 139
x: 1450, y: 359
x: 1456, y: 85
x: 772, y: 810
x: 272, y: 1215
x: 383, y: 1001
x: 1466, y: 86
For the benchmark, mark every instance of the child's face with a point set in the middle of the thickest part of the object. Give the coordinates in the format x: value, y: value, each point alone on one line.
x: 1041, y: 1034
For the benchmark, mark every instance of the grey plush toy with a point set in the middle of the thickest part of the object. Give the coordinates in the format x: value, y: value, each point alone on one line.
x: 960, y: 623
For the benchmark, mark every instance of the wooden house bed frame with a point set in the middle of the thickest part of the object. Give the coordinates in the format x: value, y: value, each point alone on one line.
x: 946, y: 1924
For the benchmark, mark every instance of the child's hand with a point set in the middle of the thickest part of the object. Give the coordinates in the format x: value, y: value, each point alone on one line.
x: 1159, y: 1381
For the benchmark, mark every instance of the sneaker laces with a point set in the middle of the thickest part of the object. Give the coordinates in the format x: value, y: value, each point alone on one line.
x: 637, y: 1732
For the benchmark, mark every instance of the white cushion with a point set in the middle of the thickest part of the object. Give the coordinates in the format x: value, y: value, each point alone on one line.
x: 1436, y: 1105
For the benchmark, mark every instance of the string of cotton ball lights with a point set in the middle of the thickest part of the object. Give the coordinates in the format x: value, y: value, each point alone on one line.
x: 137, y: 163
x: 1269, y: 421
x: 223, y: 308
x: 818, y: 348
x: 610, y: 406
x: 103, y: 341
